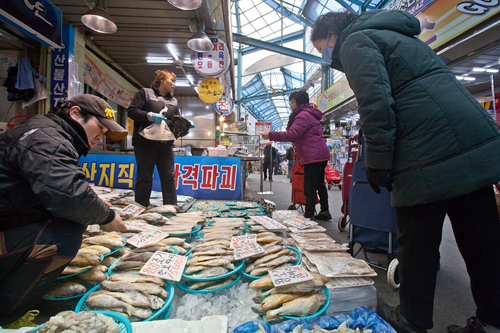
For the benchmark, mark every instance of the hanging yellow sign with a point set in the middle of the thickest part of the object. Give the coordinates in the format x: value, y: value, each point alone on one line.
x: 210, y: 90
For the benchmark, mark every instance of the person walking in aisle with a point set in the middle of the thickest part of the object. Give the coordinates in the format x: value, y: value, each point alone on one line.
x: 152, y: 105
x: 305, y: 131
x: 291, y: 161
x: 45, y: 202
x: 269, y: 156
x: 430, y: 143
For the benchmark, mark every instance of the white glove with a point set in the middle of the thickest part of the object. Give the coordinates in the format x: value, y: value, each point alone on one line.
x: 164, y: 111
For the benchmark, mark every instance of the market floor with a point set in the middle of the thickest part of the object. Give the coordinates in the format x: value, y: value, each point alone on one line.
x: 453, y: 301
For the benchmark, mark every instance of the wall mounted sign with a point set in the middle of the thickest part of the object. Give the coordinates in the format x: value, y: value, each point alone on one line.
x: 224, y: 105
x: 214, y: 62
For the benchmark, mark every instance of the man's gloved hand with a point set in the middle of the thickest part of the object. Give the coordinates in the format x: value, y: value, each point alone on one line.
x: 157, y: 118
x: 378, y: 178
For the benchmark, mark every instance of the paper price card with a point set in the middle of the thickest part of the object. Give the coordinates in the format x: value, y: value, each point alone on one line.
x: 289, y: 275
x: 268, y: 223
x: 147, y: 237
x: 299, y: 224
x: 133, y: 210
x: 165, y: 265
x: 245, y: 204
x: 243, y: 239
x: 247, y: 250
x: 142, y: 226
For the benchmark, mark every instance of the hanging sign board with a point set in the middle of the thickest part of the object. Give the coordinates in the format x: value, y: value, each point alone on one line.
x: 210, y: 90
x: 164, y: 265
x: 213, y: 62
x: 224, y: 105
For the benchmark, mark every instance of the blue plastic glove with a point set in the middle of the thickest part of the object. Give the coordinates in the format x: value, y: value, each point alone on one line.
x: 192, y: 124
x: 157, y: 118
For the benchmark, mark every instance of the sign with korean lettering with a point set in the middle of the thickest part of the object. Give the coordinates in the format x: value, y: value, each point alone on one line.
x: 201, y: 177
x: 133, y: 210
x: 214, y: 62
x: 245, y: 204
x: 262, y: 128
x: 164, y: 265
x: 411, y: 6
x: 289, y: 275
x: 299, y: 224
x: 247, y: 250
x: 60, y: 66
x: 39, y: 19
x: 147, y: 237
x: 140, y: 225
x: 243, y: 239
x: 210, y: 90
x: 268, y: 223
x: 224, y: 105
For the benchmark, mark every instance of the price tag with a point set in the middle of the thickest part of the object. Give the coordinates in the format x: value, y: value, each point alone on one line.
x: 133, y: 210
x: 289, y: 275
x: 147, y: 237
x: 268, y: 223
x: 245, y: 204
x: 244, y: 239
x: 299, y: 224
x: 247, y: 250
x: 139, y: 225
x: 165, y: 265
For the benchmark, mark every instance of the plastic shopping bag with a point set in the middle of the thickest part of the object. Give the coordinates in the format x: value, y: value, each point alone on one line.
x: 158, y: 132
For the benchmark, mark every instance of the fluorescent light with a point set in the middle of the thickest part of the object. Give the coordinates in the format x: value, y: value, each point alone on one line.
x: 460, y: 77
x: 196, y: 89
x: 478, y: 69
x: 190, y: 79
x: 182, y: 84
x: 492, y: 70
x: 173, y: 53
x: 159, y: 60
x: 468, y: 78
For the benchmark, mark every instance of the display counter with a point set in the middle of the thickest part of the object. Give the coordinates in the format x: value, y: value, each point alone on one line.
x: 196, y: 176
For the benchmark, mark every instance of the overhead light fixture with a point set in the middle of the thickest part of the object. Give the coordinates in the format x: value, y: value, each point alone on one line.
x: 173, y: 53
x: 186, y: 4
x: 196, y: 89
x: 98, y: 19
x: 478, y: 69
x: 492, y: 70
x: 190, y: 79
x: 200, y: 42
x: 159, y: 60
x: 460, y: 78
x: 468, y: 78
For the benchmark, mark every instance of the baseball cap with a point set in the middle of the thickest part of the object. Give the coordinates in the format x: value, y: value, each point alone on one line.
x: 97, y: 107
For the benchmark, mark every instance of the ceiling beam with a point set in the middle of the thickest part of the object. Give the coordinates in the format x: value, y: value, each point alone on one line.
x: 264, y: 97
x: 276, y: 48
x: 288, y: 14
x: 286, y: 39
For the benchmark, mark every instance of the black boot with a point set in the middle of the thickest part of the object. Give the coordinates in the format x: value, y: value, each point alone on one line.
x: 473, y: 326
x: 397, y: 321
x: 323, y: 216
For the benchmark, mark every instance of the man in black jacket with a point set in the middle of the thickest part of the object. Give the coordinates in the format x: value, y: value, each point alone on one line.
x: 269, y: 156
x: 45, y: 202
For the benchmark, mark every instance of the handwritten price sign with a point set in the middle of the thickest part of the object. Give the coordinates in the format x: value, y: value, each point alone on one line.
x: 147, y: 237
x: 289, y: 275
x: 299, y: 224
x: 268, y: 223
x: 165, y: 265
x: 140, y: 225
x: 242, y: 240
x: 245, y: 204
x: 133, y: 210
x: 247, y: 250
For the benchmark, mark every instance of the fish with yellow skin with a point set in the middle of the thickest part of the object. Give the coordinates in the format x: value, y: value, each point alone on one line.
x: 299, y: 307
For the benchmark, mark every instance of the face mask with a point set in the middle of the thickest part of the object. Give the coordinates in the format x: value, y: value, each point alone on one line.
x: 327, y: 53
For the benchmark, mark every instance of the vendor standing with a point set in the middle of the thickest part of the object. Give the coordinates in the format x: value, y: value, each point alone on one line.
x: 152, y: 105
x: 45, y: 202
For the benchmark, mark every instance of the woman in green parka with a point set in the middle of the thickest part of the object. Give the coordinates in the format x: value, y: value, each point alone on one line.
x: 431, y: 143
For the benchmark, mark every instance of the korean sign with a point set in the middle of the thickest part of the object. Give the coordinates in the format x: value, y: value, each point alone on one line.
x: 299, y: 224
x: 196, y: 176
x: 268, y: 223
x: 60, y: 66
x: 39, y: 19
x: 411, y: 6
x: 165, y: 265
x: 213, y: 62
x: 289, y: 275
x: 147, y: 237
x: 336, y: 94
x: 243, y: 239
x: 210, y: 90
x: 247, y: 250
x: 224, y: 105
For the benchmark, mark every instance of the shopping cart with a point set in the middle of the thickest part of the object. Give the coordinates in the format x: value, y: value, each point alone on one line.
x: 298, y: 197
x: 346, y: 181
x: 333, y: 178
x: 372, y: 222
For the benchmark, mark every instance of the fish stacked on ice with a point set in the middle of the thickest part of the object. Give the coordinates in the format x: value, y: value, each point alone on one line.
x: 276, y: 255
x: 299, y: 299
x: 210, y: 259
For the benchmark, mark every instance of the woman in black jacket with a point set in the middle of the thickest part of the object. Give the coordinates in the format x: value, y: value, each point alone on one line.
x: 430, y: 143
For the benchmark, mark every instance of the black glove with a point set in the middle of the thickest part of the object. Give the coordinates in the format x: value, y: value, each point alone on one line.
x: 378, y: 178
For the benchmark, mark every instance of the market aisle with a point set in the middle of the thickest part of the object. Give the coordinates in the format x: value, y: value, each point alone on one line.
x: 453, y: 301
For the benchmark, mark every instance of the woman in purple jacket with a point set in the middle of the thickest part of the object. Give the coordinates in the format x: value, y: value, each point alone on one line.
x: 305, y: 131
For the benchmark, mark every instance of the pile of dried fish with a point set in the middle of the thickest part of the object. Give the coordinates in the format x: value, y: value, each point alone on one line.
x: 210, y: 258
x: 181, y: 224
x: 65, y: 289
x: 165, y: 209
x: 317, y: 329
x: 299, y: 300
x: 276, y: 255
x: 69, y: 321
x: 224, y: 228
x: 132, y: 294
x: 209, y: 285
x: 135, y: 259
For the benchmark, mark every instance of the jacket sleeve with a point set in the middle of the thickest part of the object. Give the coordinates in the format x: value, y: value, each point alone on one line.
x: 55, y: 176
x: 298, y: 129
x: 365, y: 69
x: 137, y: 109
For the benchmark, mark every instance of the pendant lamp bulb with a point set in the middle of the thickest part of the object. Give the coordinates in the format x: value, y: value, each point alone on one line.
x: 98, y: 19
x: 186, y: 4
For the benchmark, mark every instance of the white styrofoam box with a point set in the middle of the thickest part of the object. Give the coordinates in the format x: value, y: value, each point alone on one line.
x: 344, y: 300
x: 218, y: 152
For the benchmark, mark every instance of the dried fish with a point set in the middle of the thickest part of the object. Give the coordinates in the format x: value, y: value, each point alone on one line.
x: 165, y: 209
x: 136, y: 277
x: 107, y: 301
x: 211, y: 271
x: 302, y: 306
x: 150, y: 288
x: 65, y: 289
